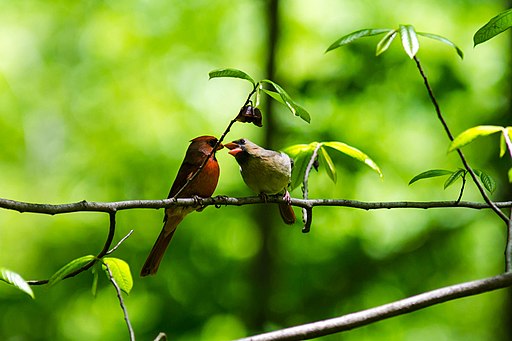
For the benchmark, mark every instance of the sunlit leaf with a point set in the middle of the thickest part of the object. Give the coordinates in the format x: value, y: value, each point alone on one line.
x: 231, y: 73
x: 15, y: 280
x: 292, y: 151
x: 443, y: 40
x: 296, y: 109
x: 301, y: 159
x: 409, y: 40
x: 326, y: 160
x: 471, y: 134
x: 347, y: 39
x: 355, y: 153
x: 487, y: 181
x: 452, y: 178
x: 495, y: 26
x: 503, y: 144
x: 69, y: 268
x: 505, y: 141
x: 95, y: 274
x: 510, y: 175
x: 430, y: 174
x: 384, y: 43
x: 274, y: 95
x: 120, y: 272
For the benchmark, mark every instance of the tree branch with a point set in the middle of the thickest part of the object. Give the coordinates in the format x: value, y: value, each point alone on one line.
x: 365, y: 317
x: 461, y: 155
x: 108, y: 207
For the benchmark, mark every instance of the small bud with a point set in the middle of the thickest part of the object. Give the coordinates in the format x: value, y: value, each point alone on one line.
x: 249, y: 114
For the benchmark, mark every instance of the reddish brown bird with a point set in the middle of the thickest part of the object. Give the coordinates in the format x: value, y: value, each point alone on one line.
x: 203, y: 185
x: 265, y: 172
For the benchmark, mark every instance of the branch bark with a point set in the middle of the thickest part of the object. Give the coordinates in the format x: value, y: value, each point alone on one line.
x: 365, y: 317
x: 218, y: 201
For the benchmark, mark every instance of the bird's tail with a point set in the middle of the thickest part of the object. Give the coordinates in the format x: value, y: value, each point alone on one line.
x: 157, y: 252
x: 287, y: 213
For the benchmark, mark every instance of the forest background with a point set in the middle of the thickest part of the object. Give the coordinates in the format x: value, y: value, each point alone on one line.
x: 98, y: 100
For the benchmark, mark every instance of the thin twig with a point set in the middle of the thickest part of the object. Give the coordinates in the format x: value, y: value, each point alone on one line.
x: 461, y: 155
x: 120, y: 242
x: 219, y: 141
x: 366, y: 317
x: 121, y: 302
x: 101, y: 254
x: 462, y: 187
x: 307, y: 211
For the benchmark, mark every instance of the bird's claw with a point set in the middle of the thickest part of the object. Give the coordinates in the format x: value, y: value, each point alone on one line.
x: 198, y: 201
x: 220, y: 197
x: 287, y: 197
x: 263, y: 196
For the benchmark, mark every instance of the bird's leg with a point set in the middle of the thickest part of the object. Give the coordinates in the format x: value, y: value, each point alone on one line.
x: 198, y: 201
x: 287, y: 197
x: 264, y: 196
x: 220, y: 197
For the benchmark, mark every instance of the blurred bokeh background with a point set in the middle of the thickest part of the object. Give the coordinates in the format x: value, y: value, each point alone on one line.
x: 98, y: 100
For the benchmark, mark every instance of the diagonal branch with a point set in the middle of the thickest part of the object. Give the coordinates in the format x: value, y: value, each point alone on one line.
x: 461, y: 155
x: 219, y: 141
x: 101, y: 254
x: 365, y: 317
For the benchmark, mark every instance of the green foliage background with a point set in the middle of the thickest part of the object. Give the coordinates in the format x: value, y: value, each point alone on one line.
x: 98, y: 100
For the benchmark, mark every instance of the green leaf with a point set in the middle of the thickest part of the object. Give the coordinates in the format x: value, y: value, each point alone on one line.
x: 296, y: 109
x: 471, y: 134
x: 430, y: 174
x: 347, y: 39
x: 510, y: 175
x: 495, y: 26
x: 487, y: 181
x: 326, y: 160
x: 503, y: 144
x: 409, y: 40
x: 301, y: 159
x: 452, y: 178
x: 505, y: 141
x: 274, y: 95
x: 120, y: 272
x: 95, y: 276
x: 443, y: 40
x: 15, y: 280
x: 231, y: 73
x: 384, y: 43
x: 296, y: 149
x: 355, y: 153
x: 70, y: 268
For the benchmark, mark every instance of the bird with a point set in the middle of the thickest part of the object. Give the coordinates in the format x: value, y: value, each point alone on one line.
x: 265, y: 171
x: 203, y: 185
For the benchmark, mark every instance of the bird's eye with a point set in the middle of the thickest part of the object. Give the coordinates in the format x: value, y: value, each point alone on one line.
x: 242, y: 141
x: 212, y: 142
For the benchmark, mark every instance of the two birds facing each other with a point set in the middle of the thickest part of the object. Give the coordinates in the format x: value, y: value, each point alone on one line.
x: 266, y: 172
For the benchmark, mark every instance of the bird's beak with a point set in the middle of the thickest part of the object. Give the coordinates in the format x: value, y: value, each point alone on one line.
x: 234, y: 148
x: 219, y: 147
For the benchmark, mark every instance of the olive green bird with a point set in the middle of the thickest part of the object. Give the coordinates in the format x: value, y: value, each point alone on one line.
x: 264, y: 171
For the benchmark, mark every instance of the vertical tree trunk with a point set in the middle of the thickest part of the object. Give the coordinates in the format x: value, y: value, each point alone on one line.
x: 264, y: 265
